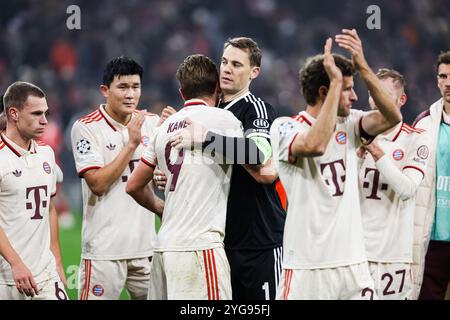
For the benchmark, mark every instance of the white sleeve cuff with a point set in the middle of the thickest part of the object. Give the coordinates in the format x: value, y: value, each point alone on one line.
x: 404, y: 183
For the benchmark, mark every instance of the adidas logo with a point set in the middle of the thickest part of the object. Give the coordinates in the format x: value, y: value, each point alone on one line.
x: 17, y: 173
x: 111, y: 146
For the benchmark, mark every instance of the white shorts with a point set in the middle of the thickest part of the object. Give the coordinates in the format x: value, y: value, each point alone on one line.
x: 393, y: 281
x: 190, y: 275
x: 105, y: 279
x: 51, y: 289
x: 343, y: 283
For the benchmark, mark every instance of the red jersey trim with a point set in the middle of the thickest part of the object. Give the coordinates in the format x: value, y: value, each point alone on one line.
x: 94, y: 116
x: 290, y: 147
x: 414, y: 167
x: 148, y: 163
x: 398, y: 133
x: 87, y: 280
x: 194, y: 103
x: 17, y: 153
x: 80, y: 174
x: 107, y: 121
x: 301, y: 118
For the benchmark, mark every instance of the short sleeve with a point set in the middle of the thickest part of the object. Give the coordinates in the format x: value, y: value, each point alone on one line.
x: 54, y: 170
x: 55, y: 177
x: 85, y: 149
x: 149, y: 155
x: 258, y: 118
x: 418, y: 152
x: 283, y: 133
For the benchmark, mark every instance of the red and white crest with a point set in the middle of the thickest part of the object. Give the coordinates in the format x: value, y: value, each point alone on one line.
x: 398, y: 154
x: 47, y: 168
x: 341, y: 137
x: 98, y: 290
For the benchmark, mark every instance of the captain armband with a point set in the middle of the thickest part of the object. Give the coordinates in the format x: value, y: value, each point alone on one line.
x: 233, y: 150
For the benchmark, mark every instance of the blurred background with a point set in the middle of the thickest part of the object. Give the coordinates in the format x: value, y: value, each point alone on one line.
x: 37, y: 46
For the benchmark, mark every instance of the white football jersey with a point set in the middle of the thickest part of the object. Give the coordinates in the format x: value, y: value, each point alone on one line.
x: 114, y: 225
x: 388, y: 221
x: 323, y: 225
x: 197, y: 188
x: 27, y: 181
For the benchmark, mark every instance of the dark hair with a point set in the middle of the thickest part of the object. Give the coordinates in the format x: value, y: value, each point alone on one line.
x: 17, y: 94
x: 198, y: 76
x: 249, y: 45
x: 121, y: 66
x: 313, y: 75
x: 397, y: 77
x: 444, y: 58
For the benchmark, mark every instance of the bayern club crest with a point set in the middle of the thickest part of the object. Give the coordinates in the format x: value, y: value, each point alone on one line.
x: 98, y: 290
x: 145, y: 141
x: 47, y: 168
x: 398, y: 154
x: 341, y: 137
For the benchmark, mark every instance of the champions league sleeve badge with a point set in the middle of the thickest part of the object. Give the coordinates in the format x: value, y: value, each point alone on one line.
x: 285, y: 128
x: 83, y: 146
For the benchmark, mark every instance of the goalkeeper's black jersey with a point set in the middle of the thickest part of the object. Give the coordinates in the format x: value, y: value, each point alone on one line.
x: 255, y: 217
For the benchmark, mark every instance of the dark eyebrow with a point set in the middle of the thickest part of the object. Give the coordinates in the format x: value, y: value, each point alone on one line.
x: 39, y: 112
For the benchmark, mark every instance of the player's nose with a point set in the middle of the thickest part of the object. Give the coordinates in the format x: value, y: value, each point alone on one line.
x: 353, y: 96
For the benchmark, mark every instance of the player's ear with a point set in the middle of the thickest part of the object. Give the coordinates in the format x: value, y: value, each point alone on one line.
x: 104, y: 90
x: 181, y: 94
x: 13, y: 113
x: 254, y: 73
x: 323, y: 92
x: 403, y: 99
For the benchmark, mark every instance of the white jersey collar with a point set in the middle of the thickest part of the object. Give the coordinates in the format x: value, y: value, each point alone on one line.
x: 115, y: 125
x: 194, y: 102
x: 16, y: 149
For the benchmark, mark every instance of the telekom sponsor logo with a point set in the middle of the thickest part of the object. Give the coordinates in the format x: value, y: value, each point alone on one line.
x: 35, y: 193
x: 337, y: 170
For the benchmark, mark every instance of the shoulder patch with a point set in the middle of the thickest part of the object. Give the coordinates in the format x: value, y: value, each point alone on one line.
x: 83, y: 146
x: 423, y: 152
x: 285, y: 127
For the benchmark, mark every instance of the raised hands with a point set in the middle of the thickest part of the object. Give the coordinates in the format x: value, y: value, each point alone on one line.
x: 167, y: 112
x: 350, y: 41
x: 191, y: 136
x: 134, y: 128
x: 333, y: 72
